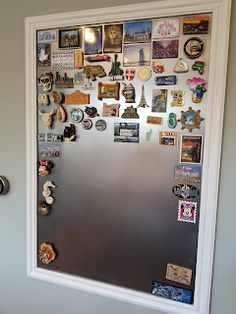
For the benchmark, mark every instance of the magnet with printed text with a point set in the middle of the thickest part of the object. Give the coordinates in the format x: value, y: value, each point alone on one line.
x: 187, y: 211
x: 178, y: 98
x: 76, y: 115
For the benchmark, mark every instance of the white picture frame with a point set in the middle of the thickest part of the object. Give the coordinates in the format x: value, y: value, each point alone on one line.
x: 220, y: 10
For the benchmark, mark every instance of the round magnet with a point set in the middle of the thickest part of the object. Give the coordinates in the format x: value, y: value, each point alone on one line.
x: 44, y: 209
x: 144, y: 74
x: 4, y: 185
x: 101, y: 125
x: 194, y: 47
x: 77, y: 115
x: 87, y: 124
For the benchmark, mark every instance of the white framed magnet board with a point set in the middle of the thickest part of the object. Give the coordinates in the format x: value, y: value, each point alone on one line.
x: 124, y: 147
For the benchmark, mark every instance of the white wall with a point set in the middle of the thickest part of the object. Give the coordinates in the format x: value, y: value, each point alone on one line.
x: 22, y: 295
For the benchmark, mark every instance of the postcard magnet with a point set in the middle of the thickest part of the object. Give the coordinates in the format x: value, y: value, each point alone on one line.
x: 179, y: 274
x: 113, y: 36
x: 159, y: 100
x: 187, y: 211
x: 194, y: 47
x: 191, y: 149
x: 165, y: 49
x: 64, y: 81
x: 70, y: 38
x: 187, y: 174
x: 163, y: 28
x: 93, y: 40
x: 44, y: 55
x: 46, y: 253
x: 126, y: 132
x: 196, y: 24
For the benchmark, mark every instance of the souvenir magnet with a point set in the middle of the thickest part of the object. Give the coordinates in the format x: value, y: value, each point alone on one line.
x: 137, y: 55
x: 44, y: 209
x: 64, y: 81
x: 56, y: 97
x: 148, y: 135
x: 44, y: 55
x: 198, y: 88
x: 87, y: 124
x: 163, y: 28
x: 159, y: 100
x: 43, y: 99
x: 50, y: 137
x: 70, y: 133
x: 144, y: 74
x: 128, y: 92
x: 187, y: 211
x: 191, y: 148
x: 196, y: 24
x: 79, y: 78
x: 79, y: 59
x: 165, y: 48
x: 47, y: 118
x: 190, y: 119
x: 130, y: 113
x: 4, y: 185
x: 111, y: 110
x: 98, y: 58
x: 158, y: 66
x: 178, y: 98
x: 166, y: 80
x: 62, y: 60
x: 101, y: 125
x: 77, y: 97
x: 46, y: 81
x: 44, y: 167
x: 154, y: 120
x: 91, y: 111
x: 199, y: 66
x: 181, y: 66
x: 170, y: 292
x: 94, y: 71
x: 179, y: 274
x: 47, y: 192
x: 168, y: 138
x: 116, y: 73
x: 130, y: 74
x: 93, y: 40
x: 194, y: 47
x: 126, y: 132
x: 70, y: 38
x: 187, y: 174
x: 185, y: 191
x: 46, y: 253
x: 77, y: 115
x: 61, y: 115
x: 113, y: 38
x: 172, y: 120
x: 143, y: 102
x: 47, y: 36
x: 137, y: 31
x: 49, y: 150
x: 108, y: 90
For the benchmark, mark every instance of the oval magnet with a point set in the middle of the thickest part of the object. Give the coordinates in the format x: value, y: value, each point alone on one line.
x: 77, y: 115
x: 144, y: 74
x: 4, y: 185
x: 185, y: 191
x: 87, y: 124
x: 44, y: 209
x: 101, y: 125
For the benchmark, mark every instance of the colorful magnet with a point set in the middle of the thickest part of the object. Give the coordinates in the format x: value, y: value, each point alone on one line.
x: 181, y: 66
x: 166, y: 80
x: 199, y: 66
x: 178, y: 98
x: 187, y: 174
x: 79, y: 79
x: 191, y: 148
x: 158, y: 66
x: 179, y: 274
x: 70, y: 133
x: 70, y: 38
x: 194, y: 47
x: 91, y: 111
x: 187, y: 211
x: 168, y: 138
x: 173, y: 293
x: 185, y: 191
x: 196, y: 24
x: 108, y: 90
x: 111, y: 110
x: 64, y: 81
x: 43, y: 99
x: 93, y: 40
x: 94, y: 71
x: 113, y: 38
x: 126, y: 132
x: 136, y: 55
x: 56, y: 97
x: 44, y: 167
x: 101, y: 125
x: 163, y: 28
x: 130, y: 74
x: 47, y: 118
x: 46, y: 253
x: 159, y: 100
x: 87, y: 124
x: 143, y: 102
x: 79, y: 59
x: 154, y: 120
x: 62, y: 60
x: 48, y: 185
x: 77, y: 97
x: 128, y: 92
x: 130, y: 113
x: 77, y: 115
x: 44, y: 209
x: 190, y: 119
x: 144, y: 74
x: 165, y: 48
x: 198, y: 88
x: 172, y: 120
x: 49, y: 150
x: 116, y: 73
x: 46, y: 81
x: 61, y: 115
x: 98, y: 58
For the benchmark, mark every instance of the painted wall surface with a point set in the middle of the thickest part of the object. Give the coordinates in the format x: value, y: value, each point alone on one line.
x: 20, y: 294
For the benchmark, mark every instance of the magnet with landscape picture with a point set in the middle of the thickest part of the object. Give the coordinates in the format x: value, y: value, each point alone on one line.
x: 93, y: 40
x: 70, y: 38
x: 165, y: 48
x: 126, y: 132
x: 159, y: 100
x: 137, y: 32
x: 136, y: 55
x: 191, y: 149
